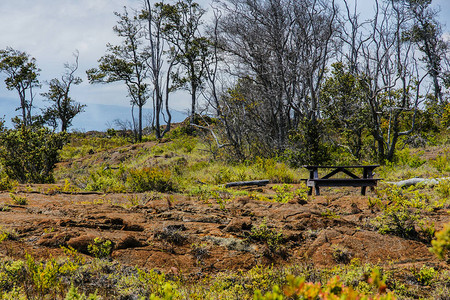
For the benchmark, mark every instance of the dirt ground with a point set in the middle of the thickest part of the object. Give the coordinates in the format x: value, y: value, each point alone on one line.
x: 174, y: 233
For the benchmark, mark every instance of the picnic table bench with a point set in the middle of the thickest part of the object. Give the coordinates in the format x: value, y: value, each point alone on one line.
x: 365, y: 181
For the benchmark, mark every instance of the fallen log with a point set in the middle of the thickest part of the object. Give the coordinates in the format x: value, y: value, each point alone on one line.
x: 414, y: 181
x: 247, y: 183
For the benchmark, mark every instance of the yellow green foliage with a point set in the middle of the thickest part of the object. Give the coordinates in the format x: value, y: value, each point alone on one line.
x: 441, y: 245
x: 100, y: 248
x: 446, y: 116
x: 18, y: 200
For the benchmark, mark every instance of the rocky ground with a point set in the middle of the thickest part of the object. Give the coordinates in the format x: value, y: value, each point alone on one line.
x: 174, y: 233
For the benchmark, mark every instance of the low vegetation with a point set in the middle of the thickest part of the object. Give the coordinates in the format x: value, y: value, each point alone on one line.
x: 182, y: 166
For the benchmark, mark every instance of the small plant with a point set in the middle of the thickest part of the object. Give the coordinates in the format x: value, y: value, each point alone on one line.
x: 441, y: 245
x: 219, y: 194
x: 172, y: 235
x: 200, y: 251
x: 100, y: 248
x: 44, y: 276
x: 284, y: 193
x: 404, y: 157
x: 18, y: 200
x: 427, y: 229
x: 263, y: 233
x: 398, y: 216
x: 73, y: 294
x: 341, y: 254
x: 425, y: 275
x: 299, y: 288
x: 4, y: 235
x: 443, y: 188
x: 329, y: 214
x: 6, y: 183
x: 442, y: 162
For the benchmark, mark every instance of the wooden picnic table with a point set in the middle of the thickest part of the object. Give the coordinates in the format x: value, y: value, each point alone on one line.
x: 366, y: 180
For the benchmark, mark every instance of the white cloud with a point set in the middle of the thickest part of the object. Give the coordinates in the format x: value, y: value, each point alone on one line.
x: 51, y: 31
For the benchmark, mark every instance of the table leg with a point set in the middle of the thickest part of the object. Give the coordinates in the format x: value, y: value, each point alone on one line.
x: 316, y: 187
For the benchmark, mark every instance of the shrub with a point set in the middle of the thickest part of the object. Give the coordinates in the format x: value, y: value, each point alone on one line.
x: 150, y: 179
x: 7, y: 234
x: 100, y: 248
x: 44, y: 276
x: 285, y: 193
x: 6, y: 183
x: 30, y: 155
x: 425, y: 275
x: 18, y: 200
x: 263, y: 233
x: 442, y: 162
x: 172, y: 235
x: 404, y: 157
x: 275, y: 171
x: 398, y: 216
x: 443, y: 188
x: 441, y: 245
x: 341, y: 254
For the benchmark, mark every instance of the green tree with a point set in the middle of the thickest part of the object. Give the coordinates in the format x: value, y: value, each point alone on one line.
x: 64, y: 108
x: 127, y: 63
x: 181, y: 28
x: 21, y: 75
x: 342, y: 102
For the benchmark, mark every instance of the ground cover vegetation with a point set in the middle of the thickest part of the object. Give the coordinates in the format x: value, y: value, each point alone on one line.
x: 182, y: 166
x: 285, y: 83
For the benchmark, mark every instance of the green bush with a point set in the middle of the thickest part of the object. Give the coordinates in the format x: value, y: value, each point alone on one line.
x: 105, y: 180
x: 263, y: 233
x: 286, y: 193
x: 442, y: 162
x: 443, y: 188
x: 424, y: 275
x: 100, y: 248
x: 398, y: 216
x: 18, y: 200
x: 6, y: 183
x: 274, y: 171
x: 404, y: 157
x: 29, y: 155
x: 150, y: 179
x: 441, y: 245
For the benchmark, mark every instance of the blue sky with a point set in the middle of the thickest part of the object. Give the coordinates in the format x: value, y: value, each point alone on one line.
x: 51, y: 30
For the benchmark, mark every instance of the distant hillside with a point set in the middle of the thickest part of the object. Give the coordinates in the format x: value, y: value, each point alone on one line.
x: 95, y: 117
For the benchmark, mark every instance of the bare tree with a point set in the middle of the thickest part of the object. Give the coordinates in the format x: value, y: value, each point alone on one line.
x: 426, y: 32
x: 282, y: 47
x: 389, y: 74
x: 160, y: 71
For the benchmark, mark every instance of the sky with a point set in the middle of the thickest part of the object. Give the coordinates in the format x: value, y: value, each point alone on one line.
x: 51, y: 30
